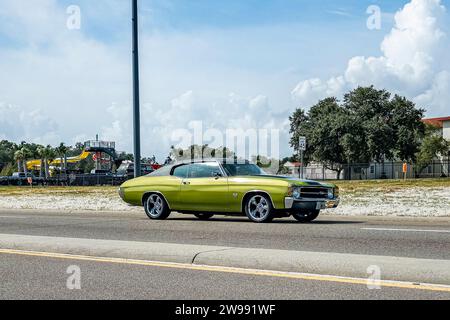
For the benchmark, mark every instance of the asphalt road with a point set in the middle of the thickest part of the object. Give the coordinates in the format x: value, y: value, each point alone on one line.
x: 366, y: 235
x: 41, y: 277
x: 44, y: 278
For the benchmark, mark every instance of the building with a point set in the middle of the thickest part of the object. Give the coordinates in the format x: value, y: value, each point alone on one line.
x: 314, y: 171
x: 293, y: 167
x: 389, y: 170
x: 443, y: 123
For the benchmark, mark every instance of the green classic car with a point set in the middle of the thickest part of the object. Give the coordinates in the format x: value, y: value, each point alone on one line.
x: 227, y: 187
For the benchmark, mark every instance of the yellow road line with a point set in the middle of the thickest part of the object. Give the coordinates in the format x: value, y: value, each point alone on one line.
x: 251, y: 272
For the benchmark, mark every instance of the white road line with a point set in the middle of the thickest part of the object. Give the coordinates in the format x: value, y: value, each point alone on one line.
x: 14, y: 217
x: 406, y: 230
x: 66, y: 218
x: 234, y: 270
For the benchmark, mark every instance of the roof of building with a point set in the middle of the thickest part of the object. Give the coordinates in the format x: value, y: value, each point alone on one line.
x: 292, y: 164
x: 437, y: 122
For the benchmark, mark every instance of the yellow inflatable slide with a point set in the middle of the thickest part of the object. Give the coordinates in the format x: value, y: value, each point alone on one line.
x: 36, y: 164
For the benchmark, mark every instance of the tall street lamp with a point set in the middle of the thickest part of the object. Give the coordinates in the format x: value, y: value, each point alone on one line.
x: 136, y: 107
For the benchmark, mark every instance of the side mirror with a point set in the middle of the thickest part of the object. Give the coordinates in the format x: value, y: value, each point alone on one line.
x: 217, y: 175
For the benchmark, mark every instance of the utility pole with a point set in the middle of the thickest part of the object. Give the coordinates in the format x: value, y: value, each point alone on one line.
x: 302, y: 149
x: 301, y: 166
x: 136, y: 102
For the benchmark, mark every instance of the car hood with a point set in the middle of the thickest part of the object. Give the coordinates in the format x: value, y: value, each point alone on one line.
x: 297, y: 181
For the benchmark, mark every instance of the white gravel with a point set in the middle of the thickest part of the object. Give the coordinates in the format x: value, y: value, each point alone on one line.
x: 418, y: 201
x: 87, y: 202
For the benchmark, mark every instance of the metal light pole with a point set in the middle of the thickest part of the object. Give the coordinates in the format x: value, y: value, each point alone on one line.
x: 301, y: 149
x: 136, y: 107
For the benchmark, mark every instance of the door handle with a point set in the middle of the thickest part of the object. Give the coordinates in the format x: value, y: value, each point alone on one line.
x: 186, y: 182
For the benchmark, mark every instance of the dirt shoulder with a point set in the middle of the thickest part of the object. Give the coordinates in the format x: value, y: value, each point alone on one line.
x: 411, y: 198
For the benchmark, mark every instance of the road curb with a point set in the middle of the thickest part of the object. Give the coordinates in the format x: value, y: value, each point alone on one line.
x: 336, y: 264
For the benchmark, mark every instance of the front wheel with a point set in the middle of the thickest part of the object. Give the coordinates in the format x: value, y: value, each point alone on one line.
x: 305, y: 216
x: 258, y: 208
x: 156, y: 207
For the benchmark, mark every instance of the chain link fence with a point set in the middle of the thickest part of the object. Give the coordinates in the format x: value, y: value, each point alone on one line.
x: 67, y: 180
x: 374, y: 171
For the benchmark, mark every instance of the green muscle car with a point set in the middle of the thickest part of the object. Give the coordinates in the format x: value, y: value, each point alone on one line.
x: 228, y: 187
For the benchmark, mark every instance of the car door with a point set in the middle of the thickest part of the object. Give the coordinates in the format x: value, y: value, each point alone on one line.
x: 181, y: 173
x: 205, y: 188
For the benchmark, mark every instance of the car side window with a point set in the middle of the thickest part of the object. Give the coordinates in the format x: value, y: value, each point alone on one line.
x: 181, y: 171
x: 204, y: 170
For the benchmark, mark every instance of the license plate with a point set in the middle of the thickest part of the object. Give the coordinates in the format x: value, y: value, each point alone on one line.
x: 320, y: 205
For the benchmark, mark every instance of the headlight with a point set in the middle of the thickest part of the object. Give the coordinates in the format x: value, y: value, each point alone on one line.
x: 330, y: 194
x: 336, y: 192
x: 294, y: 192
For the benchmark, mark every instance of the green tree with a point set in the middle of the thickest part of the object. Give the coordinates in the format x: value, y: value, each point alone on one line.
x: 301, y: 127
x: 367, y: 126
x: 26, y: 155
x: 324, y: 128
x: 433, y: 146
x: 7, y: 170
x: 408, y: 128
x: 372, y: 109
x: 19, y: 158
x: 49, y: 156
x: 328, y: 129
x: 61, y: 151
x: 7, y: 150
x: 200, y: 152
x: 42, y: 154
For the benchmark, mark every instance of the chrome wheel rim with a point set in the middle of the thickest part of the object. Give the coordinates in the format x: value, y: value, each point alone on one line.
x: 155, y: 205
x: 258, y: 208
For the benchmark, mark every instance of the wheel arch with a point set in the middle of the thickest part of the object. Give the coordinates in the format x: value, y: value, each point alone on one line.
x: 148, y: 193
x: 253, y: 192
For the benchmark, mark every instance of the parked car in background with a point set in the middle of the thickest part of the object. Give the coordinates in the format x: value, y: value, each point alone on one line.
x: 228, y: 187
x: 100, y: 171
x: 20, y: 179
x: 22, y: 175
x: 126, y: 169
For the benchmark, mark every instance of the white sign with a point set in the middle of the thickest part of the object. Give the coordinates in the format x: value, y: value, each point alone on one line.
x: 302, y: 143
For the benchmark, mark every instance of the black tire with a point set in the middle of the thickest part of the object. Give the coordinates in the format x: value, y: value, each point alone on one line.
x: 306, y: 215
x: 258, y: 208
x: 156, y: 207
x: 204, y: 216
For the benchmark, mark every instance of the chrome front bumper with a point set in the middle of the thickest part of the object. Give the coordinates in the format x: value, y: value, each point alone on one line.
x: 121, y: 193
x: 290, y: 202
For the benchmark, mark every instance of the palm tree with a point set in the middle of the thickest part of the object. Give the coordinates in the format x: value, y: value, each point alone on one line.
x: 49, y: 157
x: 18, y: 157
x: 61, y: 151
x: 26, y: 154
x: 41, y: 153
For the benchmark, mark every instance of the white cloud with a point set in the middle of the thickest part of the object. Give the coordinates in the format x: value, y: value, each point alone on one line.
x: 437, y: 97
x: 414, y: 61
x: 75, y: 84
x: 85, y: 84
x: 158, y: 122
x: 32, y: 126
x: 310, y: 91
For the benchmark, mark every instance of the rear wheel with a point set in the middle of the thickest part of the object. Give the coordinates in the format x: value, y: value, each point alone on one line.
x: 258, y: 208
x: 305, y: 216
x: 204, y: 216
x: 156, y: 207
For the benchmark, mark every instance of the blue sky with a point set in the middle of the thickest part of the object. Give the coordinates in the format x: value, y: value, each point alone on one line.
x: 246, y: 63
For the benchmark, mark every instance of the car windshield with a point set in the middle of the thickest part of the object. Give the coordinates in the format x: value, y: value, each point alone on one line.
x: 244, y: 169
x: 162, y: 172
